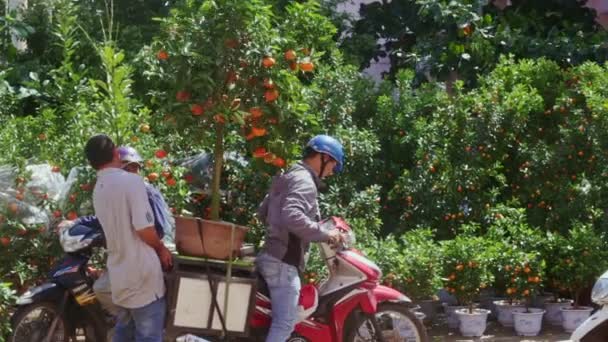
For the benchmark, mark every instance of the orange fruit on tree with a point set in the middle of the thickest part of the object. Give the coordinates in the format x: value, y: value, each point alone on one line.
x: 459, y: 267
x: 72, y: 215
x: 259, y: 152
x: 268, y: 62
x: 452, y: 276
x: 197, y: 109
x: 42, y: 137
x: 162, y: 55
x: 160, y: 154
x: 19, y: 196
x: 279, y: 162
x: 171, y: 182
x: 293, y: 66
x: 290, y: 55
x: 219, y: 118
x: 166, y: 174
x: 269, y: 158
x: 271, y: 95
x: 57, y: 213
x: 256, y: 112
x: 13, y: 207
x: 182, y: 96
x: 526, y: 292
x: 153, y: 177
x: 527, y: 270
x: 258, y: 131
x: 5, y: 241
x: 307, y: 66
x: 21, y: 231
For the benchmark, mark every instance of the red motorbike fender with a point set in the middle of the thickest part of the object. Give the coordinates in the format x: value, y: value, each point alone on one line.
x: 386, y: 294
x: 359, y: 298
x: 368, y: 301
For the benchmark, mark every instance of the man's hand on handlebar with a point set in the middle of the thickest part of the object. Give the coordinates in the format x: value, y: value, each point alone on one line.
x: 335, y: 237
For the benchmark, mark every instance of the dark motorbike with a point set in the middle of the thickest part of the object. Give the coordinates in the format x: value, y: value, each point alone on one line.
x: 64, y: 308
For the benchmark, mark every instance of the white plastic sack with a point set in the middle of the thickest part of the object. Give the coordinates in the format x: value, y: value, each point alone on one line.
x: 44, y: 180
x: 190, y: 338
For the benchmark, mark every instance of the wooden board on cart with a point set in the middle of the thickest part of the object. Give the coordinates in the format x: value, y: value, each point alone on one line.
x: 190, y: 299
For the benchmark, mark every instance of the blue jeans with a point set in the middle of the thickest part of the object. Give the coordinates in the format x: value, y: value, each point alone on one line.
x: 145, y: 324
x: 284, y: 285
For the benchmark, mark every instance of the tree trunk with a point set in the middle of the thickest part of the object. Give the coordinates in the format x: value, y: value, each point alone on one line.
x: 218, y: 164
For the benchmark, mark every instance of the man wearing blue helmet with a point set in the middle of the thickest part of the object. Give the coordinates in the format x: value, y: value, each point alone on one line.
x: 290, y: 211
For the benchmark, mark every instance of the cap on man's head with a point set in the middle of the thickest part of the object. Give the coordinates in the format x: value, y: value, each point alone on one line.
x: 99, y: 150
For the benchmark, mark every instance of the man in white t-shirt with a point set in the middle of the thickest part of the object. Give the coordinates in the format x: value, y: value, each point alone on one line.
x: 136, y: 256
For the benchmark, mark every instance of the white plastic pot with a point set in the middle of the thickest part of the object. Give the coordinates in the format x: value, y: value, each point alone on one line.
x: 572, y: 318
x: 528, y: 322
x: 553, y: 315
x: 505, y: 312
x: 472, y: 324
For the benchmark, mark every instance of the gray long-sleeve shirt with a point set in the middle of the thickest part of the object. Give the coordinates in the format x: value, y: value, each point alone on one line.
x: 290, y: 211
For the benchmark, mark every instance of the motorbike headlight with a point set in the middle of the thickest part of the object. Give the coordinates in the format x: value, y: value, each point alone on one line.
x: 599, y: 294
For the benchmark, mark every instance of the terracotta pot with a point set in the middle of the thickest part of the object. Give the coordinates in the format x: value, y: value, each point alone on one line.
x: 210, y: 239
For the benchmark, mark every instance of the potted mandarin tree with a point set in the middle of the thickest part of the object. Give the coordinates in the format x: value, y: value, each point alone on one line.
x: 526, y: 276
x: 230, y: 76
x: 421, y: 279
x: 581, y: 260
x: 465, y: 274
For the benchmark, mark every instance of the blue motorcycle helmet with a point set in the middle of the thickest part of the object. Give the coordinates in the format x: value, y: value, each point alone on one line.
x: 330, y: 146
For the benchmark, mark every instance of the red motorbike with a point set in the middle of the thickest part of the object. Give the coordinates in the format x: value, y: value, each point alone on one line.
x: 350, y: 305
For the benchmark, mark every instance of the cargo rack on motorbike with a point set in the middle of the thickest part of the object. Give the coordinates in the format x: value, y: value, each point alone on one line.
x: 198, y: 304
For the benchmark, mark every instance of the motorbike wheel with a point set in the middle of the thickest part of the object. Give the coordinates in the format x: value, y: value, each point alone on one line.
x: 396, y: 321
x: 32, y: 322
